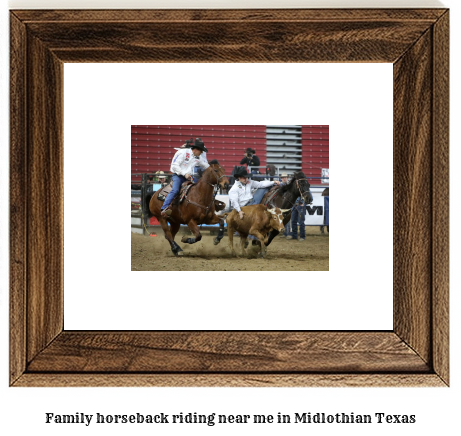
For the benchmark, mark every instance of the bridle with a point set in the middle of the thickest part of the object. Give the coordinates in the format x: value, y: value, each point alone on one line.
x: 214, y: 186
x: 288, y: 194
x: 217, y: 179
x: 303, y: 193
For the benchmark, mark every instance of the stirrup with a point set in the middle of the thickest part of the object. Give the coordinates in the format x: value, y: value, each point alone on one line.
x: 166, y: 212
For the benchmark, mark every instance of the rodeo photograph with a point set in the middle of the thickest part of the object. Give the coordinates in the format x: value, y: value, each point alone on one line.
x: 230, y: 198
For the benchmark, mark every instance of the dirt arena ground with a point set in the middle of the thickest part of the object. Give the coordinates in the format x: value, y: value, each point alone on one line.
x: 154, y: 254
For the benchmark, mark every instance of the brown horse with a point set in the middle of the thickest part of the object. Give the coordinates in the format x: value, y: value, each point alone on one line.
x: 197, y: 208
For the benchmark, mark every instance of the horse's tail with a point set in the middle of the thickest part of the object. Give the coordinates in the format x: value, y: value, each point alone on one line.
x: 146, y: 203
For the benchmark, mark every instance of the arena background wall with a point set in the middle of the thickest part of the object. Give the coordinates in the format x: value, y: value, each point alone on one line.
x: 289, y: 147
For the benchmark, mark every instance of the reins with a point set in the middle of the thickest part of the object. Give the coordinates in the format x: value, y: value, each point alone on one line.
x: 285, y: 197
x: 299, y: 188
x: 217, y: 180
x: 214, y: 186
x: 288, y: 194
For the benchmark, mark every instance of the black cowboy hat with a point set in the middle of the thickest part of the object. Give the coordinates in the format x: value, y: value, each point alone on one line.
x: 214, y: 161
x: 200, y: 145
x: 241, y: 172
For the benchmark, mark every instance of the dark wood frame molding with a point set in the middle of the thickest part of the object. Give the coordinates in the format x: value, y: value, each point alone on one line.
x: 415, y: 353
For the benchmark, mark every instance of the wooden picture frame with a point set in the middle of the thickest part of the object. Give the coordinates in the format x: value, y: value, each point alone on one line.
x: 414, y: 353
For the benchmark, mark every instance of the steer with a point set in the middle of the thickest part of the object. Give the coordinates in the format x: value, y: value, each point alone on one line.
x: 257, y: 221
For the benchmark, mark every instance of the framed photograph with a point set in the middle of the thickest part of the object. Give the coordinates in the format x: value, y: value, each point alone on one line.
x: 280, y: 181
x: 414, y: 353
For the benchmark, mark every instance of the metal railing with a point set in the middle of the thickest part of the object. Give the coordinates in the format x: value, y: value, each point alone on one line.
x: 143, y: 212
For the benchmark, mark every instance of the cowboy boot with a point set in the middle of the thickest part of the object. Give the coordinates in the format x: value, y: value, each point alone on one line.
x: 166, y: 212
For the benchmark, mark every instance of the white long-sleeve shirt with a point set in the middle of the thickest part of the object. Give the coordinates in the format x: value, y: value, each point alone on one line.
x: 184, y: 162
x: 240, y: 194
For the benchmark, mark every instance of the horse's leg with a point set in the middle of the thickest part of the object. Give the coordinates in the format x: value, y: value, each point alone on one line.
x: 174, y: 228
x: 218, y: 238
x: 169, y: 236
x: 217, y: 219
x: 195, y: 230
x: 273, y: 233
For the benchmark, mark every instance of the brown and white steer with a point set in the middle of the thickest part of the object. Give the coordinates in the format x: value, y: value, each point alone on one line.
x: 258, y: 221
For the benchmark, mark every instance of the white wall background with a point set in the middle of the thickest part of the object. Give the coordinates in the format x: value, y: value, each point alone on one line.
x: 104, y: 100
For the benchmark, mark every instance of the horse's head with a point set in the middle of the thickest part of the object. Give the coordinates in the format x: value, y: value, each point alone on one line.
x: 303, y: 186
x: 218, y: 175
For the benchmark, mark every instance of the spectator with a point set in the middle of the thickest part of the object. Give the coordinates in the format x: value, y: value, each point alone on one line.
x: 161, y: 176
x: 325, y: 193
x: 271, y: 170
x: 251, y: 160
x: 298, y: 216
x: 187, y: 144
x: 284, y: 181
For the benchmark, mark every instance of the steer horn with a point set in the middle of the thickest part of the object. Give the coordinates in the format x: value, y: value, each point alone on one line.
x: 285, y: 210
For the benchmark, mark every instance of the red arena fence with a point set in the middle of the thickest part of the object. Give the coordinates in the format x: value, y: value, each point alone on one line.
x: 153, y: 147
x: 290, y: 148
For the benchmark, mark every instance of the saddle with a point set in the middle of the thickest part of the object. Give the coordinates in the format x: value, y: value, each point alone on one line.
x: 182, y: 193
x: 184, y: 190
x: 269, y: 195
x: 165, y: 191
x: 219, y: 205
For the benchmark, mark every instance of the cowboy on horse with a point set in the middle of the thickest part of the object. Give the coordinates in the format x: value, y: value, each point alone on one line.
x: 241, y: 193
x: 182, y: 168
x: 197, y: 204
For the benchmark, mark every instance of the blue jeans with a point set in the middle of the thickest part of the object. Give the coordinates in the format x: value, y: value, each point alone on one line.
x: 259, y: 194
x: 298, y: 216
x: 287, y: 229
x: 177, y: 183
